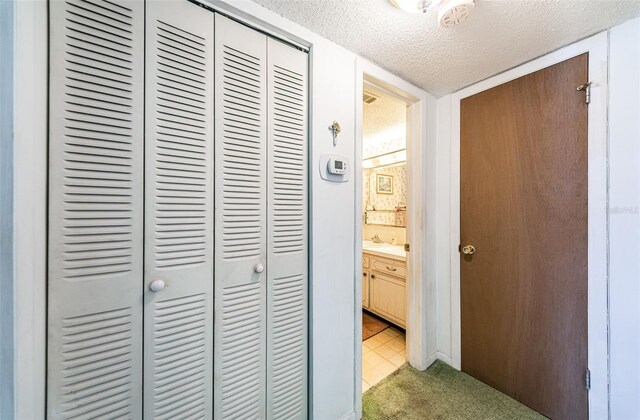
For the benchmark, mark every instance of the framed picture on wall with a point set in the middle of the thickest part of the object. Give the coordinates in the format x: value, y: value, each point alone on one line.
x: 384, y: 184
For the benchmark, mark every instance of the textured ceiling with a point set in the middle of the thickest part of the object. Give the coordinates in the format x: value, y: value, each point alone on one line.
x: 500, y: 34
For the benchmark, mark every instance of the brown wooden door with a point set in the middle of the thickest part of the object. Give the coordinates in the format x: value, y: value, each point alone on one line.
x: 523, y: 203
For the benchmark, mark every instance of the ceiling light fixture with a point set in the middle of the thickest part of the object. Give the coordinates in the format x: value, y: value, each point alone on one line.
x: 387, y: 159
x: 454, y: 12
x: 450, y: 12
x: 412, y: 6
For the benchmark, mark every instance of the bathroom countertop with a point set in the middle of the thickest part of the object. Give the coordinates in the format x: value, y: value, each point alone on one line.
x: 396, y: 252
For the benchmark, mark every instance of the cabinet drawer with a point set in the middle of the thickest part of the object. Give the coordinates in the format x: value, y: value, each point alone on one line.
x: 365, y: 261
x: 388, y: 298
x: 392, y: 267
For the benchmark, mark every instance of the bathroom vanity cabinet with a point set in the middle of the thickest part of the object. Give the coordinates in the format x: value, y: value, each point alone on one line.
x: 384, y: 287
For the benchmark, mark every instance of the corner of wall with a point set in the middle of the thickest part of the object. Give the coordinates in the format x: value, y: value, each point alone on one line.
x: 624, y: 220
x: 443, y: 136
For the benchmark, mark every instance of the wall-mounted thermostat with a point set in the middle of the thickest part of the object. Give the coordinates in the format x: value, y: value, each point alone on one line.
x: 337, y: 166
x: 334, y: 168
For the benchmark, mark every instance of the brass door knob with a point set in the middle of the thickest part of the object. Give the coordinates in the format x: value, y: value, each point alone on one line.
x: 468, y: 250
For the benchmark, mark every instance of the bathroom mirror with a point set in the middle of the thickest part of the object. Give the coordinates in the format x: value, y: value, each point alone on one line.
x: 385, y: 195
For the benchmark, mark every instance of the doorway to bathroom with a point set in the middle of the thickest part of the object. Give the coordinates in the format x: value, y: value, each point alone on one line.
x: 384, y: 234
x: 395, y: 316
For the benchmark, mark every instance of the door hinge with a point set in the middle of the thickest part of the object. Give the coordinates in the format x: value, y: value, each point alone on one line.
x: 407, y: 247
x: 587, y: 379
x: 586, y: 87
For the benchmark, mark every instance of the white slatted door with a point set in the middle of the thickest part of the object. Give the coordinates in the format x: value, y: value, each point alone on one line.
x: 94, y: 362
x: 178, y: 330
x: 240, y: 178
x: 287, y: 232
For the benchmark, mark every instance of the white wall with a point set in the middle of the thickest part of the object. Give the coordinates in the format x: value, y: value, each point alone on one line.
x: 624, y: 220
x: 444, y: 245
x: 332, y: 237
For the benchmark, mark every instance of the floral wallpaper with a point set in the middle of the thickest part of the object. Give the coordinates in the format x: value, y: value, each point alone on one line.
x: 385, y: 201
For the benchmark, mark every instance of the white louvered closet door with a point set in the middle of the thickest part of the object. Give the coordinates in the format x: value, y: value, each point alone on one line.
x: 287, y: 232
x: 240, y: 243
x: 178, y: 322
x: 94, y: 356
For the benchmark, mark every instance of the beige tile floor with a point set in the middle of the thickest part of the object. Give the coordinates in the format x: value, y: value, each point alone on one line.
x: 382, y: 354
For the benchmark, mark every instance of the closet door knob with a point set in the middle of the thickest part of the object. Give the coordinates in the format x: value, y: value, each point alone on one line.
x: 157, y: 285
x: 259, y: 268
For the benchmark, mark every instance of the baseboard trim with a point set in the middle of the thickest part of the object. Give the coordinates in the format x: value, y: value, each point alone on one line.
x: 430, y: 359
x: 443, y: 357
x: 348, y: 416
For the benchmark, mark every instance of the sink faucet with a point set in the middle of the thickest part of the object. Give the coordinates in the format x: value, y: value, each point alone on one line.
x: 376, y: 239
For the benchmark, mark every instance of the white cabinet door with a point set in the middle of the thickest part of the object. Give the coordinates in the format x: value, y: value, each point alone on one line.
x: 95, y: 254
x: 287, y: 278
x: 388, y: 297
x: 240, y: 217
x: 178, y: 323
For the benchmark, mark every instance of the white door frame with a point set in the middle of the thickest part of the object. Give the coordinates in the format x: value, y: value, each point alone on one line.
x: 23, y: 395
x: 597, y: 47
x: 421, y: 270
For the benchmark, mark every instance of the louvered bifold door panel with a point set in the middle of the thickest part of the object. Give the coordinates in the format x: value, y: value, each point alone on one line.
x: 94, y: 355
x: 287, y: 232
x: 178, y: 330
x: 240, y: 178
